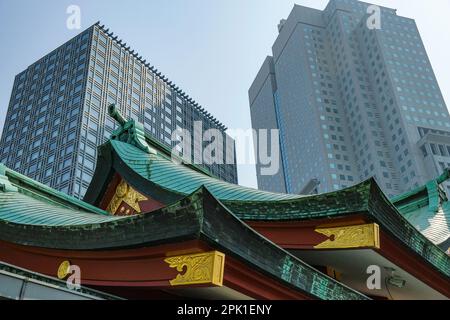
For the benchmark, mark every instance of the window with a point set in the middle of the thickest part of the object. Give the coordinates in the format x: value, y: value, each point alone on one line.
x: 89, y: 164
x: 86, y: 177
x: 114, y: 68
x: 67, y: 163
x: 98, y: 79
x: 71, y: 136
x: 78, y: 88
x: 424, y: 151
x: 65, y: 177
x: 90, y: 151
x: 97, y: 90
x: 92, y: 138
x: 433, y: 149
x: 48, y: 173
x: 34, y: 156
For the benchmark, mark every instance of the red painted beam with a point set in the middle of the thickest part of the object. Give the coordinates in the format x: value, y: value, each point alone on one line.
x: 299, y: 235
x: 143, y: 269
x: 256, y: 285
x: 134, y: 267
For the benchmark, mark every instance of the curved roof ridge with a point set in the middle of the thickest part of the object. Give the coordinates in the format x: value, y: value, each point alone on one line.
x: 445, y: 176
x: 169, y: 174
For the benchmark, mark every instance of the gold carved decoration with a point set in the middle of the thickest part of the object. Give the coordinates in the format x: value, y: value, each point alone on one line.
x: 125, y: 193
x: 201, y: 268
x: 63, y: 270
x: 360, y: 236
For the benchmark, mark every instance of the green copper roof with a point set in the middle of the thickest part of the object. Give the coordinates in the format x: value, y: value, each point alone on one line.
x: 407, y: 196
x: 181, y: 179
x: 28, y: 219
x: 428, y: 209
x: 25, y: 201
x: 19, y: 208
x: 435, y: 225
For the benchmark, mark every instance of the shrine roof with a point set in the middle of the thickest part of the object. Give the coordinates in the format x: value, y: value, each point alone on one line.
x: 199, y: 206
x: 28, y: 202
x: 148, y: 168
x: 30, y: 219
x: 161, y: 170
x: 427, y: 208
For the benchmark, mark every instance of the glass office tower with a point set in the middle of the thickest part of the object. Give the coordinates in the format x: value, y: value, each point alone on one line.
x: 57, y: 114
x: 351, y: 102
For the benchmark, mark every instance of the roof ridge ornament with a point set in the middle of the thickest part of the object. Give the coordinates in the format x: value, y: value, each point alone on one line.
x: 444, y: 176
x: 5, y: 184
x: 435, y: 192
x: 130, y: 131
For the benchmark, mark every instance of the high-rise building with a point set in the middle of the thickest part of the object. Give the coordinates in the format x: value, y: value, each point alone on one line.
x: 354, y: 95
x: 57, y: 114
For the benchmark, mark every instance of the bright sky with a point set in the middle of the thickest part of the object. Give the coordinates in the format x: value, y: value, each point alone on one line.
x: 212, y: 49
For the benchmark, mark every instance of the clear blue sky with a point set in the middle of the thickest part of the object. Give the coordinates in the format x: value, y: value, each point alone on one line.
x: 212, y: 49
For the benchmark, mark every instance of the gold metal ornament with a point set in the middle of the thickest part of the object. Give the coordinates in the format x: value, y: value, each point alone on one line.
x: 360, y: 236
x: 125, y: 193
x: 63, y: 270
x: 202, y: 268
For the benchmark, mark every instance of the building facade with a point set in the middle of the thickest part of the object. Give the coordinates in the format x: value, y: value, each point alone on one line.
x: 351, y: 102
x: 58, y: 110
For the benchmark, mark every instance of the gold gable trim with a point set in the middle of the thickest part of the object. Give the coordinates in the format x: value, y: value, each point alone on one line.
x: 202, y: 268
x: 125, y: 193
x: 360, y: 236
